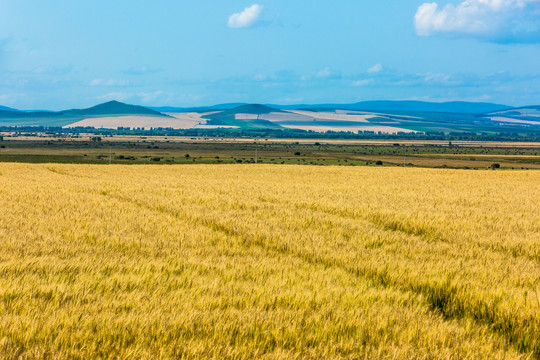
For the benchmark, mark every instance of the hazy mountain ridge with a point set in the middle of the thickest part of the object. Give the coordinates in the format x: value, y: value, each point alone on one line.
x: 176, y: 109
x: 5, y: 108
x: 108, y: 108
x: 65, y: 117
x: 113, y: 107
x: 446, y: 107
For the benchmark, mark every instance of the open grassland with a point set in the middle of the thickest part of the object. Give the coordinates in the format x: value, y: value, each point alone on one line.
x: 273, y: 262
x: 84, y: 137
x: 181, y: 150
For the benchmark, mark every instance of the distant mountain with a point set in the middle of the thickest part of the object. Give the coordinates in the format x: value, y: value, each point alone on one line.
x: 17, y: 114
x: 462, y: 107
x: 5, y: 108
x: 173, y: 109
x: 63, y: 118
x: 114, y: 108
x: 446, y: 107
x: 532, y: 107
x: 250, y: 109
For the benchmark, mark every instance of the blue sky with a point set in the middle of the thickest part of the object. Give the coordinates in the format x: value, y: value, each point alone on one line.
x: 59, y: 54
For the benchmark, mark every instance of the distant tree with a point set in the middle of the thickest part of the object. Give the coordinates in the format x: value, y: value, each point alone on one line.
x: 379, y: 162
x: 495, y: 166
x: 297, y: 153
x: 187, y: 156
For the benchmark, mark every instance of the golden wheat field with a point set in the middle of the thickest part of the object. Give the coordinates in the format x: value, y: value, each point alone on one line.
x: 268, y: 262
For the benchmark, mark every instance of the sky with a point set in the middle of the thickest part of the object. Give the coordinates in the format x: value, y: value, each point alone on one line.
x: 60, y: 54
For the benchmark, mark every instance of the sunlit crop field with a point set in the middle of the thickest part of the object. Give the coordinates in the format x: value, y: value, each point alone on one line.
x: 272, y: 262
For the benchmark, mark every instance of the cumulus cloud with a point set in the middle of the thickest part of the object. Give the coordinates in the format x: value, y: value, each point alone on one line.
x: 439, y: 79
x: 148, y: 97
x: 13, y: 99
x: 324, y: 73
x: 375, y: 69
x: 53, y: 70
x: 364, y: 82
x: 259, y: 77
x: 246, y: 18
x: 492, y: 20
x: 114, y: 96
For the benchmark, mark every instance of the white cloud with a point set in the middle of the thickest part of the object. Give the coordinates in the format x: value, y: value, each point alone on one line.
x: 13, y: 99
x: 364, y: 82
x: 114, y: 96
x: 259, y: 77
x: 148, y: 97
x: 53, y: 70
x: 494, y: 20
x: 109, y: 82
x: 375, y: 69
x: 324, y: 73
x: 246, y: 18
x: 440, y: 79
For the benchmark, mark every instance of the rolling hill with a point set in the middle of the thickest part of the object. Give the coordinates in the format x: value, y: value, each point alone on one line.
x: 65, y: 117
x: 114, y: 108
x: 245, y: 116
x: 371, y: 116
x: 384, y: 116
x: 5, y: 108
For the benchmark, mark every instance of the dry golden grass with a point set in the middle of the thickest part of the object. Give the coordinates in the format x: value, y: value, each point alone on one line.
x: 268, y: 262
